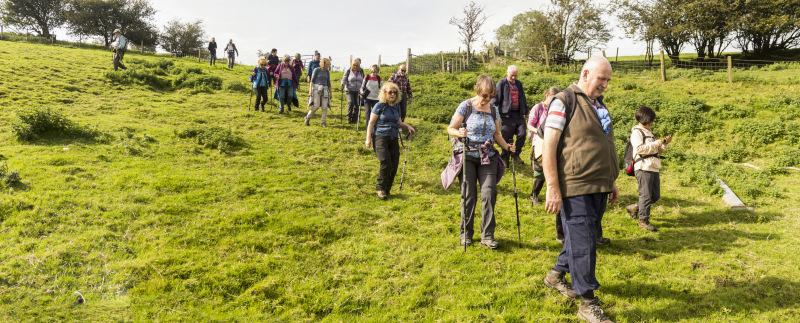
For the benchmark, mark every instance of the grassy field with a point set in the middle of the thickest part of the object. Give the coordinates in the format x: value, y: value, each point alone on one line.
x: 167, y: 199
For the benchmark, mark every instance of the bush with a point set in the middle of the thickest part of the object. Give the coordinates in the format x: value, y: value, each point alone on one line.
x: 213, y: 137
x: 759, y: 132
x: 35, y: 122
x: 9, y: 177
x: 730, y: 111
x: 235, y: 86
x: 147, y: 77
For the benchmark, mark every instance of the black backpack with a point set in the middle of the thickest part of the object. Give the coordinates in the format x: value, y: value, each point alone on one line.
x: 628, y: 160
x: 569, y: 111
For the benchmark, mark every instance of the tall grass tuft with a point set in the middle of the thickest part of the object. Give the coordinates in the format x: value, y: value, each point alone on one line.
x: 213, y: 137
x: 33, y: 123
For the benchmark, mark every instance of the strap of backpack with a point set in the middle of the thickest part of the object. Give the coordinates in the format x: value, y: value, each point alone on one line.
x: 640, y: 156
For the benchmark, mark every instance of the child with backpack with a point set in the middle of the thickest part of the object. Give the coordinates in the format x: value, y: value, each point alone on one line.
x: 641, y: 157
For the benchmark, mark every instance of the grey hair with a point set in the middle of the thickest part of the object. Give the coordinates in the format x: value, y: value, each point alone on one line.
x: 512, y: 68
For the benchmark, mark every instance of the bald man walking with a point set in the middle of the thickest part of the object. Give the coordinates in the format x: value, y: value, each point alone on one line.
x: 579, y: 137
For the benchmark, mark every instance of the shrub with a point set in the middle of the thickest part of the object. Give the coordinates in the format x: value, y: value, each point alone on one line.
x: 145, y: 77
x: 9, y: 177
x: 730, y: 111
x: 235, y: 86
x: 35, y: 122
x: 759, y: 132
x: 213, y: 137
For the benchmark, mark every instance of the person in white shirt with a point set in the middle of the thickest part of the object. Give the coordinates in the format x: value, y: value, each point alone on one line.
x: 119, y: 45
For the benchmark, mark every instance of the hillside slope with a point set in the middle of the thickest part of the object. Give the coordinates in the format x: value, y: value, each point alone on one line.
x: 281, y: 223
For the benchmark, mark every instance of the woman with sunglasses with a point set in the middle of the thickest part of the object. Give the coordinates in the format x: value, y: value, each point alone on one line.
x: 260, y: 79
x: 385, y: 124
x: 482, y: 162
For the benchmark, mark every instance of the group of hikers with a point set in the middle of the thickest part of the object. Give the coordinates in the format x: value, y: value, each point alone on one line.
x: 572, y: 149
x: 573, y: 152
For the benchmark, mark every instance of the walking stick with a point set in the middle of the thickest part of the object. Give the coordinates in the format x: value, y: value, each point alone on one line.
x: 251, y: 98
x: 516, y: 203
x: 464, y: 187
x: 341, y: 108
x: 408, y: 138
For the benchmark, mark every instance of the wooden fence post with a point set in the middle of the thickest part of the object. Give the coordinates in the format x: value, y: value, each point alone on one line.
x: 379, y: 61
x: 1, y: 32
x: 141, y: 46
x: 198, y: 55
x: 730, y: 70
x: 448, y: 66
x: 442, y: 55
x: 351, y: 59
x: 546, y: 59
x: 604, y: 53
x: 617, y: 59
x: 52, y: 39
x: 663, y: 68
x: 408, y: 61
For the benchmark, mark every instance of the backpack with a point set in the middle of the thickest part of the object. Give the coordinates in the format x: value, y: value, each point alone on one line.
x: 569, y: 111
x: 364, y: 89
x: 453, y: 140
x: 628, y: 160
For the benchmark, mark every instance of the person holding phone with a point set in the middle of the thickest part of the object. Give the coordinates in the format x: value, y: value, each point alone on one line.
x: 646, y: 166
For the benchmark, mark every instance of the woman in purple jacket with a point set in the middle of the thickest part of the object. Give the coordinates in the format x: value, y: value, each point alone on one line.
x: 286, y: 84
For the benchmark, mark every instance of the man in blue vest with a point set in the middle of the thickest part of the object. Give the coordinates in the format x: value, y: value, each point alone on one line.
x: 510, y: 100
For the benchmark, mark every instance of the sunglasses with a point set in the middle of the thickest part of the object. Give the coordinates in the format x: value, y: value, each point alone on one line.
x: 263, y: 64
x: 391, y: 92
x: 402, y: 71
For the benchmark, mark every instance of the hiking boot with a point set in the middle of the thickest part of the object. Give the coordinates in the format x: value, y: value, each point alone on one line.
x: 603, y: 241
x: 491, y: 243
x: 590, y: 311
x: 535, y: 200
x: 645, y: 224
x: 262, y: 108
x: 556, y: 280
x: 560, y: 239
x: 305, y: 120
x: 466, y: 242
x: 382, y: 195
x: 633, y: 211
x: 518, y: 160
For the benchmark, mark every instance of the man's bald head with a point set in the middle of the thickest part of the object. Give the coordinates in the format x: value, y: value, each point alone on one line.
x: 595, y: 74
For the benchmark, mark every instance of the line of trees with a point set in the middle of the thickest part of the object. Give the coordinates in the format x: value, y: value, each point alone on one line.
x: 98, y: 19
x: 758, y: 27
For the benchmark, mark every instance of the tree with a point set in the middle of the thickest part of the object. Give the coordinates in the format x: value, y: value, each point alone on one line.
x: 529, y: 32
x: 39, y: 16
x: 578, y: 26
x: 768, y: 26
x: 99, y: 18
x: 636, y: 20
x: 709, y: 23
x: 469, y: 26
x: 182, y: 38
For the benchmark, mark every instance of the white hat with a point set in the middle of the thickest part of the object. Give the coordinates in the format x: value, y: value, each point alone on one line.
x: 117, y: 31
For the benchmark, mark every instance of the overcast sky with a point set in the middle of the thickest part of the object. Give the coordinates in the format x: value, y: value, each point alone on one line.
x: 338, y: 29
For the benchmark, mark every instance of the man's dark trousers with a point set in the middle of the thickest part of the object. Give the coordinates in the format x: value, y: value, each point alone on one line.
x: 403, y: 105
x: 580, y: 216
x: 510, y: 125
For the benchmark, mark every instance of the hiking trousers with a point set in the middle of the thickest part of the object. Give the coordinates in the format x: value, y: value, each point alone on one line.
x: 212, y: 58
x: 261, y: 97
x: 513, y: 125
x: 387, y: 149
x: 486, y: 177
x: 352, y: 106
x: 649, y: 191
x: 320, y: 101
x: 231, y: 59
x: 118, y: 55
x: 580, y: 217
x: 403, y: 106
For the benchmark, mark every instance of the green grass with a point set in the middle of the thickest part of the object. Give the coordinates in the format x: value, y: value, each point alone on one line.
x: 282, y: 223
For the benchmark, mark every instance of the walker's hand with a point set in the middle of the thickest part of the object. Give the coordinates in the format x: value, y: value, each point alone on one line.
x: 411, y: 131
x: 614, y: 195
x: 462, y: 133
x: 553, y: 203
x: 668, y: 139
x: 512, y: 148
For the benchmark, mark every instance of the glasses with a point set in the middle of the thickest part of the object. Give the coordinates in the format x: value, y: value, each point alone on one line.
x: 263, y: 64
x: 485, y: 96
x: 403, y: 71
x: 391, y: 92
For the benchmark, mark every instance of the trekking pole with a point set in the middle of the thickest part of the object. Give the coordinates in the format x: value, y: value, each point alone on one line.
x: 464, y: 187
x: 358, y: 120
x: 516, y: 203
x: 341, y: 108
x: 405, y: 160
x: 251, y: 98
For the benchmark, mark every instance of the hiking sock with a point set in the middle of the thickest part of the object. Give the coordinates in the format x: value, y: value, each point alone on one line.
x: 588, y: 295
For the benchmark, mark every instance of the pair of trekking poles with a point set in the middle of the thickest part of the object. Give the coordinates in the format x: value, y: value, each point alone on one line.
x: 465, y: 142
